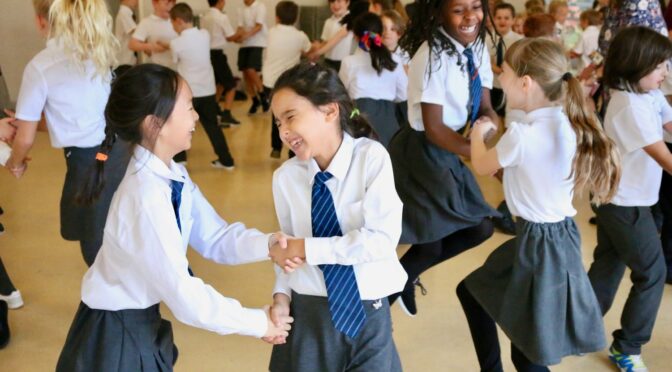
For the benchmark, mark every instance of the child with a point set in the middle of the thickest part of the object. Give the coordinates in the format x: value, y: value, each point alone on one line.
x: 540, y: 25
x: 154, y: 33
x: 590, y: 21
x: 124, y: 26
x: 191, y: 55
x: 449, y: 85
x: 626, y: 231
x: 566, y: 33
x: 333, y: 27
x: 393, y: 28
x: 534, y: 286
x: 156, y: 212
x: 377, y: 7
x: 69, y: 81
x: 7, y: 132
x: 252, y: 36
x: 221, y: 32
x: 373, y: 79
x: 503, y: 20
x: 286, y: 45
x: 348, y: 225
x: 518, y: 23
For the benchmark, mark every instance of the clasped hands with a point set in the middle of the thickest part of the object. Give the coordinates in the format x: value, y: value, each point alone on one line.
x: 287, y: 252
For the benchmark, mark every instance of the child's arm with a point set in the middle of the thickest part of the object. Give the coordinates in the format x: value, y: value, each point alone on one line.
x: 140, y: 41
x: 661, y: 154
x: 484, y: 161
x: 329, y: 44
x: 441, y: 135
x: 486, y: 107
x: 7, y: 129
x: 23, y: 142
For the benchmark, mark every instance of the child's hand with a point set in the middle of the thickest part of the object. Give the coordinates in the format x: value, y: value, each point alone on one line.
x: 277, y: 333
x: 17, y: 168
x: 292, y: 264
x: 285, y: 257
x: 7, y: 130
x: 160, y: 46
x: 483, y: 129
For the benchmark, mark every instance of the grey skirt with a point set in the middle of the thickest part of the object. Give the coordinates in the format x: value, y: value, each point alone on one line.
x: 382, y: 115
x: 536, y: 288
x: 439, y: 192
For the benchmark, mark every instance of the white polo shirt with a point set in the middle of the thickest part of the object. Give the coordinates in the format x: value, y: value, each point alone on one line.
x: 154, y: 28
x: 191, y: 54
x: 219, y: 27
x: 587, y: 44
x: 73, y: 100
x: 448, y: 84
x: 510, y: 38
x: 363, y: 81
x: 249, y: 17
x: 285, y: 46
x: 344, y: 47
x: 124, y: 25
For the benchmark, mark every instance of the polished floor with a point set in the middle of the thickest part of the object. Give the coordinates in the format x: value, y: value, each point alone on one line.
x: 48, y: 271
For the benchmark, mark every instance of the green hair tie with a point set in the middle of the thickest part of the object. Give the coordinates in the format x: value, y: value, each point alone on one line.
x: 355, y: 112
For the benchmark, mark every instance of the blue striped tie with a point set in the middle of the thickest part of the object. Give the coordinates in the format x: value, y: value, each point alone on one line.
x: 176, y: 199
x: 475, y: 89
x: 345, y: 303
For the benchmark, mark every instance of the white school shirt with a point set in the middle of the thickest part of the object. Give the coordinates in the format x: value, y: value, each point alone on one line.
x: 634, y: 121
x: 285, y: 46
x: 142, y: 260
x: 344, y: 47
x: 124, y: 25
x: 73, y: 100
x: 666, y: 89
x: 155, y: 28
x: 448, y: 84
x: 536, y: 153
x: 362, y: 81
x: 587, y: 44
x: 249, y: 17
x: 219, y: 27
x: 369, y: 213
x: 401, y: 56
x: 509, y: 38
x: 191, y: 54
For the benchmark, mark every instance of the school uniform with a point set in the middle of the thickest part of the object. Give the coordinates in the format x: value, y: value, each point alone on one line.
x: 154, y: 28
x: 73, y: 102
x: 401, y: 56
x: 219, y: 27
x: 587, y: 45
x: 665, y: 195
x: 286, y: 44
x: 191, y: 56
x: 439, y: 192
x: 626, y: 231
x: 155, y: 214
x: 534, y: 286
x: 343, y: 48
x: 375, y: 94
x: 251, y: 50
x: 368, y: 213
x: 124, y: 25
x: 497, y: 47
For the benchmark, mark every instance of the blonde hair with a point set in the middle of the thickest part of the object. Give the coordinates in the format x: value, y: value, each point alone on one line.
x: 596, y: 164
x: 85, y: 29
x: 555, y: 5
x: 42, y: 8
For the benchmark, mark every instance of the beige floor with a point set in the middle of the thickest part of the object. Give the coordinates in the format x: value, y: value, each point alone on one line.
x: 48, y: 270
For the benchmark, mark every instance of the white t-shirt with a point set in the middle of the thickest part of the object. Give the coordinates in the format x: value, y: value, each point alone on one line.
x: 124, y: 25
x: 154, y: 28
x: 249, y: 17
x: 536, y: 154
x: 448, y: 84
x: 510, y: 38
x: 344, y: 47
x: 587, y: 44
x: 401, y: 56
x: 191, y: 54
x: 285, y: 46
x: 73, y: 101
x: 219, y: 27
x: 635, y: 121
x: 362, y: 81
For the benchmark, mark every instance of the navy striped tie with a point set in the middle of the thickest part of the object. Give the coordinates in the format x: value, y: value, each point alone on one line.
x: 475, y: 88
x: 345, y: 303
x: 176, y: 199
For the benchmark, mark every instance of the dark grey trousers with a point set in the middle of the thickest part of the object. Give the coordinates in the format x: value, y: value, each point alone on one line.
x: 315, y: 345
x: 627, y: 237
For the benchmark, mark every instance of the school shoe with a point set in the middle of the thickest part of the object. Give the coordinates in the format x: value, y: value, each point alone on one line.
x: 275, y: 154
x: 407, y: 298
x: 14, y: 299
x: 265, y: 104
x: 226, y: 119
x: 2, y: 229
x: 219, y: 165
x: 255, y: 106
x: 627, y: 363
x: 504, y: 223
x: 592, y: 220
x: 4, y: 325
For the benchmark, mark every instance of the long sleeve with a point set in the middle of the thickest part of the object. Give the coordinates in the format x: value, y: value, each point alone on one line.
x: 282, y: 211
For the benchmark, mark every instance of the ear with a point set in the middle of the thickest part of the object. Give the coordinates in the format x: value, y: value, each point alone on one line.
x: 331, y: 112
x: 527, y: 83
x: 151, y: 126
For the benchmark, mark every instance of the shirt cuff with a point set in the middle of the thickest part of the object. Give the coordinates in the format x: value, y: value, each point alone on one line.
x: 258, y: 247
x: 256, y: 323
x: 319, y: 251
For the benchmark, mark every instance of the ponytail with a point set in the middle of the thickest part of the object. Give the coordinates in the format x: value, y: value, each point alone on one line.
x: 96, y: 182
x: 369, y: 30
x: 596, y: 164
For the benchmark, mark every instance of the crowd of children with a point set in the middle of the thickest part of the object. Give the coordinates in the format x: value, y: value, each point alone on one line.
x: 399, y: 98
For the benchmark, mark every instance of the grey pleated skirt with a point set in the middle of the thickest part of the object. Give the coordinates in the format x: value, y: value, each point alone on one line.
x: 124, y: 340
x: 439, y: 192
x: 536, y: 288
x: 382, y: 115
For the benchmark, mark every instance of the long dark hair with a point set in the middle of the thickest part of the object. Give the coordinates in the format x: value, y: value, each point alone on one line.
x: 142, y: 91
x: 369, y: 31
x: 321, y: 86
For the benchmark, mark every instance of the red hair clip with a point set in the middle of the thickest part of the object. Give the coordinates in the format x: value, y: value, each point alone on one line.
x: 101, y: 157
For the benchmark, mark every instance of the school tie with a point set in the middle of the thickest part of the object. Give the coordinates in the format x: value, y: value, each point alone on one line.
x: 345, y: 303
x: 474, y: 85
x: 176, y: 199
x: 499, y: 58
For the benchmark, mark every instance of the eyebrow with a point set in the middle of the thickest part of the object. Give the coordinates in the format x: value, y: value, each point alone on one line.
x: 287, y: 112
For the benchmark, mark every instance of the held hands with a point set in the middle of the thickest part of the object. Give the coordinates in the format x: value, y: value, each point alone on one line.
x: 483, y: 129
x: 279, y: 321
x: 7, y: 130
x: 286, y: 251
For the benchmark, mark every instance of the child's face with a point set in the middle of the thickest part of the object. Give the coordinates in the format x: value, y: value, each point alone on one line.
x: 512, y: 85
x: 303, y: 127
x: 583, y: 23
x: 560, y: 14
x: 462, y: 19
x: 390, y: 34
x: 518, y: 25
x: 175, y: 134
x: 162, y: 7
x: 374, y: 8
x: 339, y: 7
x: 503, y: 21
x: 655, y: 78
x: 178, y: 25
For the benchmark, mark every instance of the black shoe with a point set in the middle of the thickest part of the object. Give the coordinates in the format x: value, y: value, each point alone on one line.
x: 265, y: 105
x: 255, y: 106
x: 228, y: 118
x: 504, y: 223
x: 2, y: 229
x: 593, y: 220
x: 1, y: 211
x: 4, y: 325
x: 275, y: 154
x: 407, y: 298
x: 238, y: 96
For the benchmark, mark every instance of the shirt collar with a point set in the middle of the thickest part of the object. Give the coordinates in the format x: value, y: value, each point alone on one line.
x: 339, y: 164
x: 541, y: 113
x: 143, y: 158
x: 191, y: 30
x: 458, y: 46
